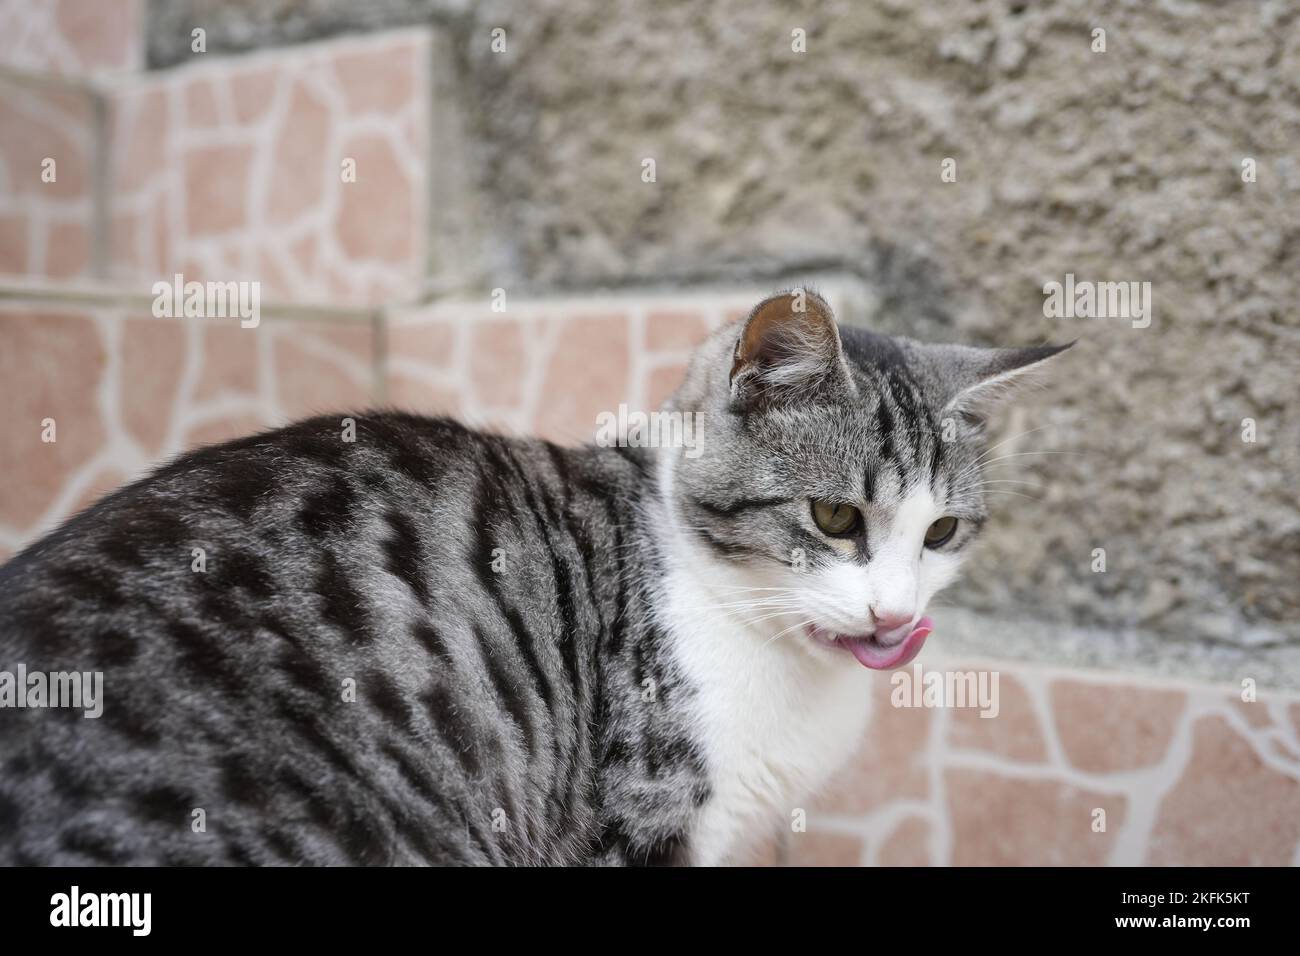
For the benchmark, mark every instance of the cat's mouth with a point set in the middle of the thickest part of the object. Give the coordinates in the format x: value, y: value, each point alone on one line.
x: 872, y: 653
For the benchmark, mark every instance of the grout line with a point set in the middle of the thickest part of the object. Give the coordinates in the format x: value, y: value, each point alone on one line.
x: 1095, y: 673
x: 33, y: 79
x: 101, y: 178
x: 99, y: 295
x: 379, y: 357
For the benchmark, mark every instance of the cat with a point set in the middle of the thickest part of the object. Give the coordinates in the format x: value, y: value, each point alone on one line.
x: 433, y: 645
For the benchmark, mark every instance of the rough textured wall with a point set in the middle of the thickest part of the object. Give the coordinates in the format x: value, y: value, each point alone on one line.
x: 1123, y: 166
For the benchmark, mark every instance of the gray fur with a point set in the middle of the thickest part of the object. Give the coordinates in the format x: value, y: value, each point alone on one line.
x: 500, y: 713
x: 865, y: 423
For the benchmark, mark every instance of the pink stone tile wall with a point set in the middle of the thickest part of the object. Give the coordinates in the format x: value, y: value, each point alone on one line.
x: 303, y: 169
x: 126, y: 391
x: 71, y: 37
x: 47, y: 154
x: 1185, y: 776
x: 550, y: 367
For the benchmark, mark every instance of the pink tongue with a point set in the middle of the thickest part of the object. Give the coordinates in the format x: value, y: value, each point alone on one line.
x: 887, y: 658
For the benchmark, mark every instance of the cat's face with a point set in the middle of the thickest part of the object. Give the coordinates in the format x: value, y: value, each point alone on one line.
x: 838, y: 484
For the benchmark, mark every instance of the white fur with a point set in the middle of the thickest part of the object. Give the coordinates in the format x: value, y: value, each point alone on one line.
x: 776, y: 712
x: 901, y: 578
x: 774, y: 720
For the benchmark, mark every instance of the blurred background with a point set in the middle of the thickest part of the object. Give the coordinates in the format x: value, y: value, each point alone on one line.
x: 525, y: 214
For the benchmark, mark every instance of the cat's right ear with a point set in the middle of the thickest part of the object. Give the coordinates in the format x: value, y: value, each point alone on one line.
x: 788, y: 350
x: 976, y: 380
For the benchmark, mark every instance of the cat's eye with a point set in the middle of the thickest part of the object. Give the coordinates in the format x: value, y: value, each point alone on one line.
x: 941, y: 532
x: 836, y: 519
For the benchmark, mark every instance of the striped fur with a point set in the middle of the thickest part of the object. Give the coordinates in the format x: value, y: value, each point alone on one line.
x: 432, y: 645
x: 512, y: 697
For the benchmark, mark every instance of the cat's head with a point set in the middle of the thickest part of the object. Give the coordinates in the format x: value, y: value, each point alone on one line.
x: 836, y: 484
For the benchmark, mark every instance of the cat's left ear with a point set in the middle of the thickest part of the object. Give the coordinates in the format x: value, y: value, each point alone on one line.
x: 975, y: 380
x: 787, y: 350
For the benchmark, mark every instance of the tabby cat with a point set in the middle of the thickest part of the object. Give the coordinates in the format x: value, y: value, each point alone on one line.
x: 434, y: 645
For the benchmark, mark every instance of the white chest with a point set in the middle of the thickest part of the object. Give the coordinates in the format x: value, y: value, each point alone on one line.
x: 774, y: 723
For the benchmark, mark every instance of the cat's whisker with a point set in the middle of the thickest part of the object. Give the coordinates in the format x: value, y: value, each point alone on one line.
x: 977, y: 469
x: 769, y: 617
x: 1029, y: 454
x: 741, y: 587
x: 756, y: 615
x: 994, y: 491
x: 1007, y: 441
x: 759, y: 604
x: 765, y: 597
x: 743, y: 606
x: 792, y: 627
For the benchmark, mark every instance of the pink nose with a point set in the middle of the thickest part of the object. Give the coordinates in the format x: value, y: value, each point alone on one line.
x: 891, y: 626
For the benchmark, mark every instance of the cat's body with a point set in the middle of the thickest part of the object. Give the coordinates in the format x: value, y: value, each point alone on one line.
x: 430, y: 645
x: 512, y: 691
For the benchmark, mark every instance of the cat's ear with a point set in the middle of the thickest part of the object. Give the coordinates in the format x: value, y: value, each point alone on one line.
x: 973, y: 381
x: 788, y: 349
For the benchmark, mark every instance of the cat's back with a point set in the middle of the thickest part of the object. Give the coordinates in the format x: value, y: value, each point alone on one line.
x: 222, y: 528
x: 294, y: 633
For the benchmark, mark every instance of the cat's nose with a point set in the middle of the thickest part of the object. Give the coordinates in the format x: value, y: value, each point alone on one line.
x: 891, y: 626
